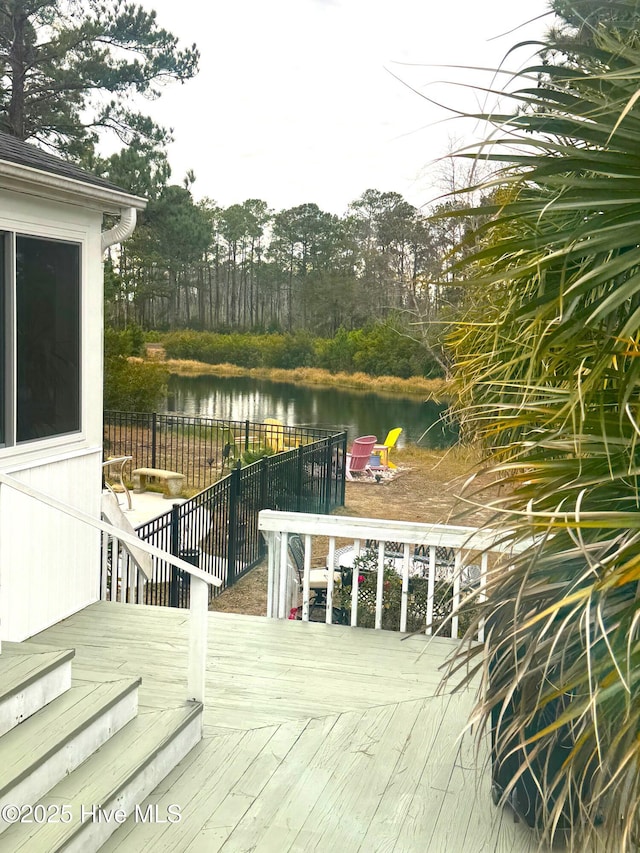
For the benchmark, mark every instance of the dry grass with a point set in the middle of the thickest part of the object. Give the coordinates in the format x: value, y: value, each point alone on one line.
x: 427, y: 490
x: 431, y: 389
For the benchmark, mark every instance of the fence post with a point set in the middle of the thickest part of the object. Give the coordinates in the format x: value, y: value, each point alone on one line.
x: 154, y: 425
x: 175, y: 550
x: 264, y: 482
x: 234, y: 494
x: 341, y: 473
x: 246, y: 434
x: 328, y: 477
x: 300, y: 473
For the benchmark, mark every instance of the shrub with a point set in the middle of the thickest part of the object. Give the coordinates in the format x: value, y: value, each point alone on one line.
x: 336, y: 354
x: 129, y: 341
x: 133, y: 386
x: 377, y: 350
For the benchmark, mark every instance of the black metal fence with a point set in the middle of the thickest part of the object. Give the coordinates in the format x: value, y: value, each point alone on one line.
x: 217, y: 530
x: 200, y: 448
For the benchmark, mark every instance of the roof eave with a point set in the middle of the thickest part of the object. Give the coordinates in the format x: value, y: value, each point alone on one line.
x: 38, y: 182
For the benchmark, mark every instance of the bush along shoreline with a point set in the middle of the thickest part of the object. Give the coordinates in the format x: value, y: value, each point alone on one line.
x: 376, y: 350
x: 388, y: 357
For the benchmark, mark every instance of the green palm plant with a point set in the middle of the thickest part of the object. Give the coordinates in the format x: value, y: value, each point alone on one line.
x: 548, y: 379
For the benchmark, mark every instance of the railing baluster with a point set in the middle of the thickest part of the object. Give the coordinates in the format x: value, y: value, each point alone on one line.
x: 406, y: 556
x: 140, y: 589
x: 284, y: 577
x: 132, y: 569
x: 431, y: 588
x: 305, y: 581
x: 379, y: 585
x: 456, y: 593
x: 331, y: 561
x: 122, y: 574
x: 103, y: 567
x: 114, y: 569
x: 482, y: 596
x: 355, y: 584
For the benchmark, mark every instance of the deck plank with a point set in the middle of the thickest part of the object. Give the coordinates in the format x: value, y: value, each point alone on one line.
x: 341, y: 817
x: 195, y: 785
x: 385, y: 826
x: 315, y: 737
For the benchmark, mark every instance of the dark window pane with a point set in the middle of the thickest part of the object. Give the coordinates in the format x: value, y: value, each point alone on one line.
x: 48, y: 338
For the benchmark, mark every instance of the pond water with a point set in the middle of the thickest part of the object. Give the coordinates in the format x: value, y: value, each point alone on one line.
x: 359, y: 412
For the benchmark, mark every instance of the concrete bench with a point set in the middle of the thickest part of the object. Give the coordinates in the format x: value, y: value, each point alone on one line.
x: 173, y: 479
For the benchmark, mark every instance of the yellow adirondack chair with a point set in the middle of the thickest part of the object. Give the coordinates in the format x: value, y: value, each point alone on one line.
x: 274, y: 434
x: 384, y: 448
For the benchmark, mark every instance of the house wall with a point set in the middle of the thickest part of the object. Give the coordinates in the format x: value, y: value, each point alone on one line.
x: 49, y: 563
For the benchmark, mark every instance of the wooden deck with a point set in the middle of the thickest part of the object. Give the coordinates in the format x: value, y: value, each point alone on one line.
x: 316, y: 737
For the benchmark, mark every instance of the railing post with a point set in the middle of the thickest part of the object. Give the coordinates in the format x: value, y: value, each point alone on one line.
x: 234, y: 493
x: 273, y: 576
x: 154, y: 427
x: 198, y: 624
x: 246, y: 434
x: 175, y: 550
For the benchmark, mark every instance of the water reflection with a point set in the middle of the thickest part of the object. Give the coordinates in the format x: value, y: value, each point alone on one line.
x: 359, y: 412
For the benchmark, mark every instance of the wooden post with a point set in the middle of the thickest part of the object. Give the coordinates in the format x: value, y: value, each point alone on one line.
x: 273, y: 562
x: 198, y: 624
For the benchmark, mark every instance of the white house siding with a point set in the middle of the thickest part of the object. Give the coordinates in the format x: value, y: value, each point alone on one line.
x: 49, y: 564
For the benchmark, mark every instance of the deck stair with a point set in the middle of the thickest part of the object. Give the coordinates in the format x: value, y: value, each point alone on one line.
x: 81, y: 744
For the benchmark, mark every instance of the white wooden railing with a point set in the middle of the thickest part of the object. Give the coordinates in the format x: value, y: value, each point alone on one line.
x: 200, y: 581
x: 471, y: 547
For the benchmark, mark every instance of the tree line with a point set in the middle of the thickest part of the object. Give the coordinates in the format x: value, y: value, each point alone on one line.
x: 250, y: 268
x: 69, y: 73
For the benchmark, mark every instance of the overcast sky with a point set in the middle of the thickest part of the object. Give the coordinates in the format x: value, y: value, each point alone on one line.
x: 296, y: 100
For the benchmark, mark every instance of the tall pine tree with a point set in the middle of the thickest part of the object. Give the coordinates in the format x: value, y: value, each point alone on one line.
x: 69, y: 68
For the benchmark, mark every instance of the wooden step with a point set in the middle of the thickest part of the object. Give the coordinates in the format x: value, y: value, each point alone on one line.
x: 30, y: 677
x: 40, y: 752
x: 101, y: 793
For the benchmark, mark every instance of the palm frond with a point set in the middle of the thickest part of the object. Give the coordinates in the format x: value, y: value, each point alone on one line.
x: 548, y: 379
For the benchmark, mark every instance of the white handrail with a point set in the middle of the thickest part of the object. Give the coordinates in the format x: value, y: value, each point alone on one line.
x: 415, y: 533
x: 122, y: 535
x: 471, y: 547
x: 199, y: 598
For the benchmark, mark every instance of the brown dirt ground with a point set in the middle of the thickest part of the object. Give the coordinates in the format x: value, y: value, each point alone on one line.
x: 426, y: 490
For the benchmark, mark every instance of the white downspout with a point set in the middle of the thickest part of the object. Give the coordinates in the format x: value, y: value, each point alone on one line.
x: 122, y: 230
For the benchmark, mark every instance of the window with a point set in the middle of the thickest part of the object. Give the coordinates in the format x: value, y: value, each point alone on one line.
x: 42, y: 351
